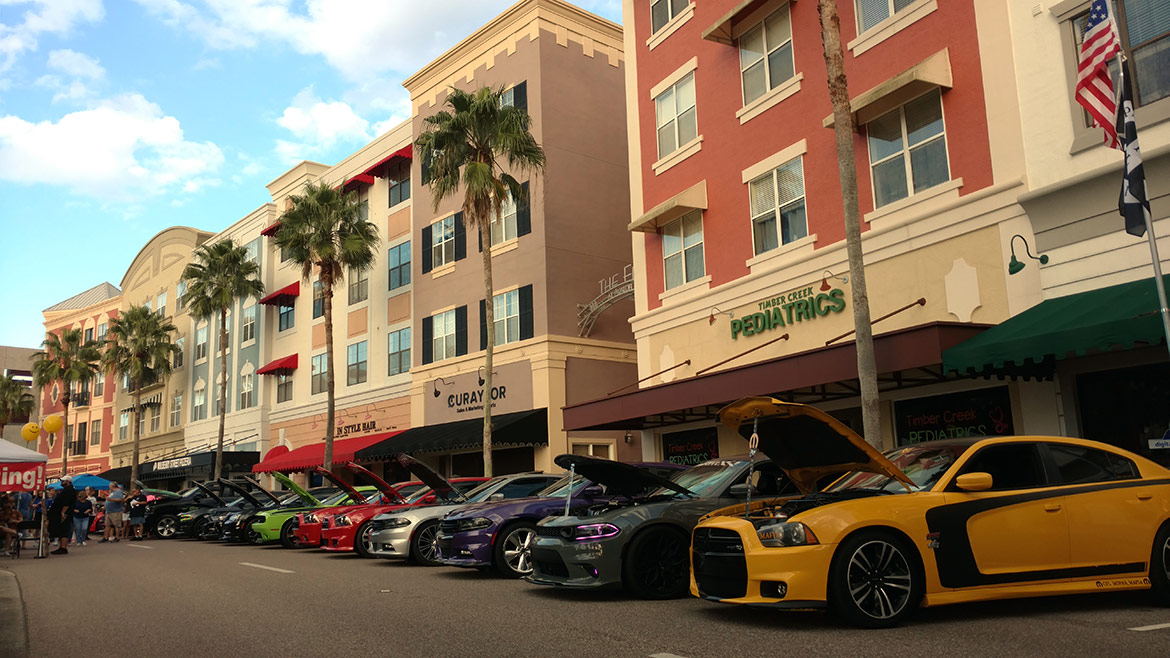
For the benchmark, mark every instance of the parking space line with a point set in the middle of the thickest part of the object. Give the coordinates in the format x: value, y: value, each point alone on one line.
x: 664, y: 655
x: 1152, y: 627
x: 140, y: 546
x: 261, y: 566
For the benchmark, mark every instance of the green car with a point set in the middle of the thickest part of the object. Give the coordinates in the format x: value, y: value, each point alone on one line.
x: 267, y: 526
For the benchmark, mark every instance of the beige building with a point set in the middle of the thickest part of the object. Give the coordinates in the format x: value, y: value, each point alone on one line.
x: 16, y: 362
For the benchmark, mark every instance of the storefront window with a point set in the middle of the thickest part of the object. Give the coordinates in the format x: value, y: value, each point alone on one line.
x: 691, y: 447
x: 1128, y: 408
x: 981, y: 412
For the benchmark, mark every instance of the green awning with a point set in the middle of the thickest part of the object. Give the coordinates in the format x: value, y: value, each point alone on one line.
x: 1118, y: 317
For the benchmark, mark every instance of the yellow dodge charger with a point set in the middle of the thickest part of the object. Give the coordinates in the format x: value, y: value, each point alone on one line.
x: 934, y: 523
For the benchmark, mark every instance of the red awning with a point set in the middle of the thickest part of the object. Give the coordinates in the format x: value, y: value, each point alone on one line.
x: 307, y: 457
x: 271, y: 230
x: 360, y: 179
x: 284, y: 296
x: 377, y: 168
x: 281, y: 366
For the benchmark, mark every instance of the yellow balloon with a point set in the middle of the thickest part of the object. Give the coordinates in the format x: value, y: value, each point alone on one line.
x: 30, y: 432
x: 53, y: 424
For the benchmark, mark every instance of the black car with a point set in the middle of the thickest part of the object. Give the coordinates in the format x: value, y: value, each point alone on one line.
x: 162, y: 517
x: 233, y: 527
x: 203, y: 522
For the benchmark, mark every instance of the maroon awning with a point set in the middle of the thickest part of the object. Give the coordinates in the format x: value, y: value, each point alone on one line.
x: 271, y: 230
x: 281, y: 366
x: 284, y: 296
x: 378, y: 168
x: 360, y: 179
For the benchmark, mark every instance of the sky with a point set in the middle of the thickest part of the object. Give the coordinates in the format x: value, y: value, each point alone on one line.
x: 120, y: 118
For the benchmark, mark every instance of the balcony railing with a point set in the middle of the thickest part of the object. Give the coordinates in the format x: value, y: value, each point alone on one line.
x: 81, y: 399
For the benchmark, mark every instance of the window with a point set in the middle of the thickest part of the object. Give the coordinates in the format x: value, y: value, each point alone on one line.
x: 284, y: 254
x: 661, y: 11
x: 248, y: 324
x: 284, y: 388
x: 1011, y: 465
x: 103, y: 328
x: 286, y: 318
x: 155, y: 418
x: 176, y: 409
x: 1145, y: 40
x: 363, y: 210
x: 147, y: 305
x: 399, y: 259
x: 506, y: 313
x: 161, y: 304
x: 872, y: 12
x: 123, y: 425
x: 503, y: 226
x: 398, y: 179
x: 443, y: 341
x: 180, y: 296
x: 908, y: 149
x: 320, y: 374
x: 141, y: 421
x: 778, y: 194
x: 88, y: 335
x: 682, y: 249
x: 1079, y: 465
x: 355, y: 364
x: 359, y: 285
x: 523, y: 487
x: 199, y: 409
x: 516, y: 96
x: 247, y: 399
x: 399, y: 349
x: 443, y: 241
x: 95, y: 432
x: 201, y: 343
x: 318, y: 299
x: 99, y: 385
x: 82, y: 434
x: 251, y: 252
x: 765, y: 55
x: 675, y: 112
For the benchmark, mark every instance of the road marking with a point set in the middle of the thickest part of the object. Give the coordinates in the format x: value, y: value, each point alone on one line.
x: 261, y: 566
x: 140, y: 546
x: 1152, y: 627
x: 664, y: 655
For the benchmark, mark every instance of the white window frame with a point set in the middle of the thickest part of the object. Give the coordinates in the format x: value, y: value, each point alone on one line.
x: 284, y: 388
x: 671, y: 12
x: 161, y: 303
x: 676, y: 118
x: 177, y: 362
x: 199, y: 405
x: 778, y: 205
x: 180, y: 296
x: 441, y: 341
x: 765, y: 58
x: 123, y: 425
x: 402, y: 268
x: 176, y: 410
x: 681, y: 252
x: 248, y: 324
x: 357, y: 363
x: 155, y: 419
x: 201, y: 338
x: 506, y: 316
x: 442, y: 241
x: 319, y: 373
x: 503, y: 225
x: 95, y: 432
x: 395, y: 357
x: 247, y: 394
x: 892, y: 8
x: 907, y: 150
x: 359, y: 285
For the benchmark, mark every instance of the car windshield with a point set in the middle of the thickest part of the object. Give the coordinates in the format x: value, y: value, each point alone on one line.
x: 408, y: 490
x: 418, y: 495
x: 707, y: 479
x: 561, y: 487
x: 923, y: 463
x: 339, y: 498
x: 190, y: 492
x: 481, y: 492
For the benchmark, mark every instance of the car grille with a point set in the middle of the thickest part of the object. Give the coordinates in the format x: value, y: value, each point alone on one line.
x: 544, y: 531
x: 549, y: 563
x: 719, y: 564
x: 449, y: 527
x: 443, y: 543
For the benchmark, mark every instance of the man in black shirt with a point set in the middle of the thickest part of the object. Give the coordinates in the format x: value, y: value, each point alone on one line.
x: 61, y: 515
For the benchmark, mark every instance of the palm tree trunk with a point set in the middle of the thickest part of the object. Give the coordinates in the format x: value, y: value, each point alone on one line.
x: 222, y: 390
x: 847, y: 168
x: 65, y: 397
x: 137, y: 434
x: 327, y: 281
x: 489, y: 318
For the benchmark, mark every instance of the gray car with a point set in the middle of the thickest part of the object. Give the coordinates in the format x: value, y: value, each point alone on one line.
x: 410, y: 532
x: 641, y: 543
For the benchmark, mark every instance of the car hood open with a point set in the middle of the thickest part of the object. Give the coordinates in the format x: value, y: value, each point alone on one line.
x: 805, y: 441
x: 305, y: 496
x: 383, y: 486
x: 618, y: 478
x: 427, y: 475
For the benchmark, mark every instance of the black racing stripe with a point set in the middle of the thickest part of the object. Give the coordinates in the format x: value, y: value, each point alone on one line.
x: 956, y: 559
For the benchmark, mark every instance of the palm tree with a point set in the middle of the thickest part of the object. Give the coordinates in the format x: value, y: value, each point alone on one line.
x: 15, y: 400
x: 139, y: 347
x: 474, y: 136
x: 325, y: 232
x: 844, y: 128
x: 66, y: 360
x: 220, y: 274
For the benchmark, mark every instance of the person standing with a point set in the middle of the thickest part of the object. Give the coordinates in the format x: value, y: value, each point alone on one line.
x: 60, y: 514
x: 82, y: 513
x: 138, y: 502
x: 9, y: 525
x: 113, y: 510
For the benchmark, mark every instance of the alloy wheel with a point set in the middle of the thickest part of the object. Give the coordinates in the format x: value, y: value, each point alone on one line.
x: 166, y: 527
x: 428, y: 543
x: 879, y: 579
x: 662, y: 563
x: 367, y: 543
x: 518, y: 550
x: 1166, y: 558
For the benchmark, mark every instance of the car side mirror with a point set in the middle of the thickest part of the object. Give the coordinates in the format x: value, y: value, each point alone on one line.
x: 739, y: 490
x: 593, y: 491
x: 496, y: 496
x: 977, y: 481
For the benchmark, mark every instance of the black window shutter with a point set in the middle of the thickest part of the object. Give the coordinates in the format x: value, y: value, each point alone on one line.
x: 482, y: 325
x: 460, y: 237
x: 520, y: 96
x: 523, y: 212
x: 526, y: 312
x: 428, y: 345
x: 425, y: 248
x: 461, y: 330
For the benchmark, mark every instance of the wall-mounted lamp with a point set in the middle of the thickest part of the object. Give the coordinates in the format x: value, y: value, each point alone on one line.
x: 1016, y: 265
x: 435, y: 387
x: 482, y: 370
x: 715, y: 311
x: 825, y: 285
x: 629, y: 437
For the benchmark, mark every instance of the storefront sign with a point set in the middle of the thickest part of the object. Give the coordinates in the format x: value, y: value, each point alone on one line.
x: 178, y: 462
x: 461, y: 396
x: 982, y: 412
x: 1162, y: 443
x: 788, y: 309
x: 28, y: 476
x: 691, y: 447
x: 357, y: 428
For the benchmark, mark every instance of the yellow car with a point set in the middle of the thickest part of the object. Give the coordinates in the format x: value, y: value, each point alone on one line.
x: 934, y: 523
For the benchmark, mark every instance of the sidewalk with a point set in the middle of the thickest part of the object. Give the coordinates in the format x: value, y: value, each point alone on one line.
x: 13, y: 628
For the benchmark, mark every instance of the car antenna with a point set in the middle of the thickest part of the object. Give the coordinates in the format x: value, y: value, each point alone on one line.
x: 569, y: 491
x: 753, y: 443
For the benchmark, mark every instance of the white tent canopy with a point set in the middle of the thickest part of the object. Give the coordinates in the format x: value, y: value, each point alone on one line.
x: 11, y: 453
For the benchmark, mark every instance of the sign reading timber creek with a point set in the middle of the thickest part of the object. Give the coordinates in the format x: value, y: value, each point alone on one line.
x: 788, y: 309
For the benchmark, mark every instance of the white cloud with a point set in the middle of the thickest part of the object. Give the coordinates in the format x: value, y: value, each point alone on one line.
x: 41, y: 17
x: 318, y: 126
x: 83, y: 69
x: 121, y: 149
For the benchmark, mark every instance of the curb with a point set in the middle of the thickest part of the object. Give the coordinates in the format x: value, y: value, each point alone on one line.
x: 13, y: 626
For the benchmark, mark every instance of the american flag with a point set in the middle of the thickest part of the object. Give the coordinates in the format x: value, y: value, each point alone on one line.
x: 1094, y: 86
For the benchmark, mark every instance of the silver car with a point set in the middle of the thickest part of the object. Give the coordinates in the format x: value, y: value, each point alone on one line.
x: 410, y: 533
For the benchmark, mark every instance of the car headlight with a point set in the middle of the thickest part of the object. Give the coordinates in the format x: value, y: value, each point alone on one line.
x: 594, y: 531
x: 785, y: 534
x: 395, y: 522
x: 260, y: 518
x: 477, y: 523
x: 341, y: 520
x: 310, y: 518
x: 232, y: 517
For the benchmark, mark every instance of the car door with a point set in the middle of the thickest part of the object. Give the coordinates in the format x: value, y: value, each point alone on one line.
x: 1011, y: 533
x: 1112, y: 516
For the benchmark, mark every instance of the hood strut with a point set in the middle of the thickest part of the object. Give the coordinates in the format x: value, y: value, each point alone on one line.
x: 753, y: 444
x: 569, y: 491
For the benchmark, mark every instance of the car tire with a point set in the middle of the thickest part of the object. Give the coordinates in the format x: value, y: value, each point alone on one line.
x: 361, y: 540
x: 875, y: 580
x: 513, y: 551
x: 1160, y: 566
x: 286, y: 535
x: 656, y: 565
x: 167, y: 526
x: 196, y: 531
x: 424, y: 548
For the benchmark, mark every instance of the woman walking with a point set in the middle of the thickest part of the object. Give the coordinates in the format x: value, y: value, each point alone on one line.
x: 82, y: 515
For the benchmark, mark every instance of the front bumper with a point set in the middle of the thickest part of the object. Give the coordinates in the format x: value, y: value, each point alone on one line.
x: 308, y: 534
x: 584, y: 565
x: 730, y: 565
x: 466, y: 549
x: 392, y: 542
x: 338, y: 539
x: 268, y: 530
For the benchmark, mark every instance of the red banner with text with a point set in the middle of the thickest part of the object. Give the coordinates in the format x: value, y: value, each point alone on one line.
x: 22, y: 476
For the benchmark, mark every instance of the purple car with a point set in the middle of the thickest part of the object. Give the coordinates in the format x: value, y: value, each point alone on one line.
x: 500, y: 533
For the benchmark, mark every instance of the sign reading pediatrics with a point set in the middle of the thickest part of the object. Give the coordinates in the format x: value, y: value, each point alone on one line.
x: 791, y: 308
x: 461, y: 396
x: 981, y: 412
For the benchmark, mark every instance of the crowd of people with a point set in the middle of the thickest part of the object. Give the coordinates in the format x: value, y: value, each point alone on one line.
x: 68, y: 515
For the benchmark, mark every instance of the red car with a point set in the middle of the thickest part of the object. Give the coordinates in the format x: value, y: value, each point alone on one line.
x: 307, y: 526
x: 349, y: 530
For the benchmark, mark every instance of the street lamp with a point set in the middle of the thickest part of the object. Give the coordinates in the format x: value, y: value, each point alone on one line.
x: 1015, y: 265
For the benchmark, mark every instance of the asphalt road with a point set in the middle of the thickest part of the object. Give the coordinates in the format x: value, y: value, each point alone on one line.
x: 183, y: 598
